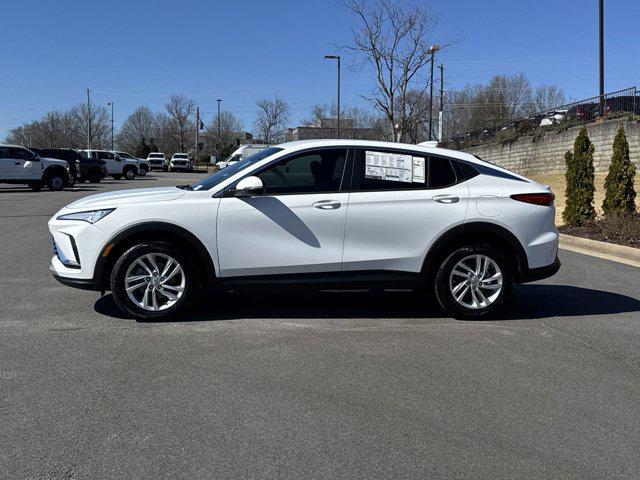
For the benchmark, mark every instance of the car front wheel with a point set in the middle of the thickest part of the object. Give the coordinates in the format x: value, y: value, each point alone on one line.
x: 130, y: 174
x: 55, y: 182
x: 473, y: 281
x: 153, y: 281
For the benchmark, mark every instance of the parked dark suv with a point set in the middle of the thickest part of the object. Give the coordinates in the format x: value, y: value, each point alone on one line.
x: 82, y: 168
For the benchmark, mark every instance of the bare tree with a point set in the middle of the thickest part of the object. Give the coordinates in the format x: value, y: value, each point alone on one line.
x: 137, y: 128
x: 271, y: 122
x: 162, y: 125
x: 548, y: 97
x: 394, y: 40
x: 220, y: 138
x: 181, y: 111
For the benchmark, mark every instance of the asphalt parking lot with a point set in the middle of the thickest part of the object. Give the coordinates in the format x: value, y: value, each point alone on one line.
x: 326, y: 385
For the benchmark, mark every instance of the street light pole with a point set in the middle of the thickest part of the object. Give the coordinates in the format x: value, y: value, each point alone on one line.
x: 88, y: 120
x: 441, y: 114
x: 111, y: 103
x: 432, y: 50
x: 601, y: 21
x: 337, y: 57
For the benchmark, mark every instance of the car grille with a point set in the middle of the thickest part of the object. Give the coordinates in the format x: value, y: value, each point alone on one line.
x: 155, y: 162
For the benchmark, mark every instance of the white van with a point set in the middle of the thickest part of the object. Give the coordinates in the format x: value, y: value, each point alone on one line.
x: 240, y: 153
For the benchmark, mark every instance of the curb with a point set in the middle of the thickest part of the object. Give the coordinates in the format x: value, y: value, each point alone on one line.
x: 610, y: 251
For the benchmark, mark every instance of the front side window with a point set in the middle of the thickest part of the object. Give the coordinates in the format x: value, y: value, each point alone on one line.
x: 20, y: 153
x: 311, y: 172
x: 105, y: 155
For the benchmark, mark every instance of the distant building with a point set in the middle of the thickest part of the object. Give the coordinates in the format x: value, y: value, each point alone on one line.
x: 327, y: 128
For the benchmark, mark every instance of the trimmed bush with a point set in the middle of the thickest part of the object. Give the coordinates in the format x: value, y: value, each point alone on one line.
x: 620, y: 196
x: 580, y: 188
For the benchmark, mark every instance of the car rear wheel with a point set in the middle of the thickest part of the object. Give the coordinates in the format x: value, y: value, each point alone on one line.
x: 473, y: 282
x: 153, y: 281
x: 94, y: 176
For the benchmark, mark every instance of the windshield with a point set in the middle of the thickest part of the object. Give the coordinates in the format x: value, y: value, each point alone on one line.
x: 156, y: 155
x: 124, y: 155
x: 227, y: 172
x: 233, y: 158
x: 181, y: 155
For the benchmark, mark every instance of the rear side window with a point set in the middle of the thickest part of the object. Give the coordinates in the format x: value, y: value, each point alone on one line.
x: 389, y: 170
x: 441, y: 173
x: 3, y: 153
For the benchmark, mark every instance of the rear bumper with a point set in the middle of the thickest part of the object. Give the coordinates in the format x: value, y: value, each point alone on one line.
x: 533, y: 274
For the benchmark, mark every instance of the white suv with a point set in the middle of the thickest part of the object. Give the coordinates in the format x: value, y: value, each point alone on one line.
x: 322, y: 212
x: 21, y: 165
x: 143, y: 164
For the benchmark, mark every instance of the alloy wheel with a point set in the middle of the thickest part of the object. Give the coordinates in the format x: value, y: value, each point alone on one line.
x: 155, y: 282
x: 475, y: 281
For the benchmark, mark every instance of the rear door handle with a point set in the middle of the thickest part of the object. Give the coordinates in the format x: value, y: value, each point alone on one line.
x: 327, y: 204
x: 446, y: 199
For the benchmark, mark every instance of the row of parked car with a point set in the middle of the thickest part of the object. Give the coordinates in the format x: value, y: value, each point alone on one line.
x: 56, y: 168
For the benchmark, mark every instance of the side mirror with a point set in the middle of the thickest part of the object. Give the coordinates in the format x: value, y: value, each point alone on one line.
x: 248, y: 187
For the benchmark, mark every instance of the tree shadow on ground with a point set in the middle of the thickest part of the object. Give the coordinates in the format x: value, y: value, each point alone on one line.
x: 527, y: 302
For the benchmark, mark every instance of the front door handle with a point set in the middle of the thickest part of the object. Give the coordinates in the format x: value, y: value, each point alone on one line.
x: 446, y: 199
x: 327, y: 204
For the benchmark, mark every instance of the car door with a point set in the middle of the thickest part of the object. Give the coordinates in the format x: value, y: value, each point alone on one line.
x: 6, y: 164
x: 114, y: 164
x: 26, y: 165
x: 295, y: 226
x: 400, y: 203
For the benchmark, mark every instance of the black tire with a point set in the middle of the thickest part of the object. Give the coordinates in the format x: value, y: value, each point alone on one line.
x: 55, y: 181
x: 130, y: 173
x: 94, y: 176
x: 443, y: 283
x: 116, y: 177
x: 118, y: 287
x: 36, y: 187
x: 165, y: 169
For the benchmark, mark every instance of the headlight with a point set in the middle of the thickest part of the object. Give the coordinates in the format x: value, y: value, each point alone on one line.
x: 91, y: 216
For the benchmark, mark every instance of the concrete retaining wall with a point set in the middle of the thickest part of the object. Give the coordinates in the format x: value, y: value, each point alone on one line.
x: 545, y: 154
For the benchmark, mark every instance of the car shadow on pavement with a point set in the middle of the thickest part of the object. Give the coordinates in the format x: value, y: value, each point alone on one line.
x: 527, y: 302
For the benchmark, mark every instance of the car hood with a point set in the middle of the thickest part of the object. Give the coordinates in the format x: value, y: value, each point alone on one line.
x: 123, y: 197
x: 53, y: 161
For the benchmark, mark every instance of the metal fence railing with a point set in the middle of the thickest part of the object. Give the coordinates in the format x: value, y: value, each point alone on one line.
x: 626, y: 101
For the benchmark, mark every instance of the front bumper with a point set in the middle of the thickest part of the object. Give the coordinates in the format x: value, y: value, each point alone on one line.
x: 82, y: 283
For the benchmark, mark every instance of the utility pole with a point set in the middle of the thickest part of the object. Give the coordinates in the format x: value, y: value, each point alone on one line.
x: 602, y: 103
x: 432, y: 50
x: 441, y: 113
x: 336, y: 57
x: 88, y: 120
x: 219, y: 142
x: 111, y: 103
x: 197, y: 133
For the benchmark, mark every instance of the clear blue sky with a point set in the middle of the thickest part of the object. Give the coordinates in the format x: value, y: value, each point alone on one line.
x: 140, y: 51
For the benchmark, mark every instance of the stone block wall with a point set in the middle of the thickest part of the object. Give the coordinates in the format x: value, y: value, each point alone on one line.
x: 528, y: 155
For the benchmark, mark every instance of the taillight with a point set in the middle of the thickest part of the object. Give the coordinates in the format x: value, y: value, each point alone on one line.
x: 546, y: 198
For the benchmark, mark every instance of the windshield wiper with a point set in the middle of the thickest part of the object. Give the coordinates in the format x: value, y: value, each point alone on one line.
x: 185, y: 187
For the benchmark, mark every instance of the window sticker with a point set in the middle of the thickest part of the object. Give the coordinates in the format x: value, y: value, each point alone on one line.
x: 393, y: 167
x: 418, y: 170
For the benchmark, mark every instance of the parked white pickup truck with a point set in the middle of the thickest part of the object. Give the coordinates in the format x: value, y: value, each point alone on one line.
x: 21, y: 165
x: 117, y: 166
